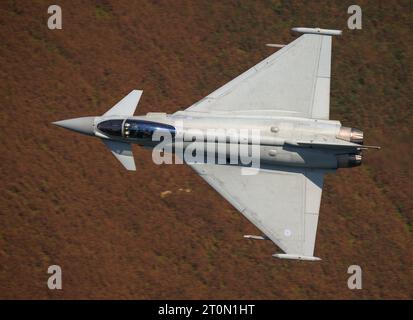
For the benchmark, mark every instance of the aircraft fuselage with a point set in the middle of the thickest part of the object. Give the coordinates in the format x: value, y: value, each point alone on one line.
x: 286, y: 141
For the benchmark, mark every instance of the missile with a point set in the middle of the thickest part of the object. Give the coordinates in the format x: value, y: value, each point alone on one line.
x: 275, y: 45
x: 249, y: 236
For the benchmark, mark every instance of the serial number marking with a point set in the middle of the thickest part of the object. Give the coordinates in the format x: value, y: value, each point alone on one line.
x: 236, y: 309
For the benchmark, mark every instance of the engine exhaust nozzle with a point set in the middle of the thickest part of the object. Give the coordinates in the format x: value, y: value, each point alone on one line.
x: 351, y: 134
x: 348, y: 160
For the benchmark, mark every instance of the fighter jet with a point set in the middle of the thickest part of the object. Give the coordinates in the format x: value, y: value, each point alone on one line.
x: 286, y: 99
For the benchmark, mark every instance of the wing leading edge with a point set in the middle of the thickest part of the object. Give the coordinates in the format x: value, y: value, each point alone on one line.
x: 294, y: 81
x: 283, y: 203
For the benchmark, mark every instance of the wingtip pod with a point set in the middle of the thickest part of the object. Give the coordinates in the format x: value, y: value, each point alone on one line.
x: 295, y: 257
x: 326, y: 32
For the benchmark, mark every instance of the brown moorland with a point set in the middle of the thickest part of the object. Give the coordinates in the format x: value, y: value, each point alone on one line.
x: 65, y: 200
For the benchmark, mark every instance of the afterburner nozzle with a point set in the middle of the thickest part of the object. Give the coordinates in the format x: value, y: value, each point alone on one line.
x: 351, y: 134
x: 348, y: 160
x: 84, y: 125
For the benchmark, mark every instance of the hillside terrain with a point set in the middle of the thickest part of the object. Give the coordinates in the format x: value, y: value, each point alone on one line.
x: 65, y: 200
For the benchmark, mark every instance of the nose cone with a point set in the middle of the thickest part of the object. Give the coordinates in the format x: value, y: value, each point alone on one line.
x: 83, y: 125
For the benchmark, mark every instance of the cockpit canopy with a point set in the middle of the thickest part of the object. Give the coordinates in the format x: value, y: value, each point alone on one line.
x: 134, y: 129
x: 111, y: 127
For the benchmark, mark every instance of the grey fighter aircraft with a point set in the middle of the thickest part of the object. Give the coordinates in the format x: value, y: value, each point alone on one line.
x: 286, y: 97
